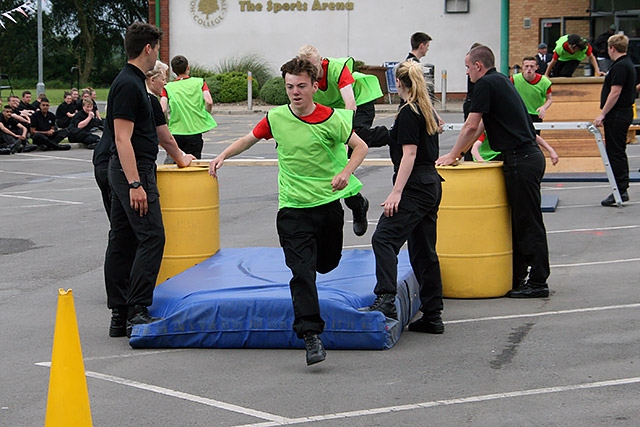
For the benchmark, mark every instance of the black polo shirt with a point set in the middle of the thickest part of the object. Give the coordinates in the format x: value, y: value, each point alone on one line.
x: 61, y: 114
x: 11, y: 124
x: 158, y: 115
x: 101, y: 153
x: 24, y: 106
x: 622, y: 74
x: 412, y: 57
x: 81, y: 116
x: 410, y: 128
x: 42, y: 122
x: 504, y: 114
x: 128, y: 99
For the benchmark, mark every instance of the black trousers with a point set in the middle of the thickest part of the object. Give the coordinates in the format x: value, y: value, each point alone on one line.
x: 564, y: 68
x: 523, y: 169
x: 83, y: 136
x: 311, y: 239
x: 101, y: 174
x: 536, y: 119
x: 9, y: 141
x: 415, y: 222
x: 136, y: 243
x: 190, y: 144
x: 50, y: 141
x: 616, y: 124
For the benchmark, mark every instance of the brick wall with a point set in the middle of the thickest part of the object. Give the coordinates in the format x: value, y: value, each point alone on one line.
x: 164, y: 26
x: 524, y: 42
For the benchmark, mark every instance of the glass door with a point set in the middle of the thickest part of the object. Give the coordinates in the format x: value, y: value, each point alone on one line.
x: 550, y: 31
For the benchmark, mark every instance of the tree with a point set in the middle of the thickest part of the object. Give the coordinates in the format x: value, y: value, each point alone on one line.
x: 96, y: 29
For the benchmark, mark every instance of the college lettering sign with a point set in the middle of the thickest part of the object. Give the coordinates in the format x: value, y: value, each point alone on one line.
x: 208, y: 13
x: 298, y: 6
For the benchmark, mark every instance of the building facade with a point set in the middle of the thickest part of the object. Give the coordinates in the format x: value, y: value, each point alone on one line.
x: 209, y: 32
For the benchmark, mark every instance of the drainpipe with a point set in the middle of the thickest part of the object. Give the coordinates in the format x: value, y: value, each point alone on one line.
x: 504, y: 37
x: 158, y: 13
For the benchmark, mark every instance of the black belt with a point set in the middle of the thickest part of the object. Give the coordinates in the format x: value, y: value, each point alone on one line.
x: 524, y: 148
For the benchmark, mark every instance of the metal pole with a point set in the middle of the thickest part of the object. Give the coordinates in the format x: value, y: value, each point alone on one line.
x: 443, y: 85
x: 504, y: 37
x: 249, y: 91
x: 40, y: 85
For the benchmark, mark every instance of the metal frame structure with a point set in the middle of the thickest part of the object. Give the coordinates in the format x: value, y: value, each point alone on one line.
x: 574, y: 126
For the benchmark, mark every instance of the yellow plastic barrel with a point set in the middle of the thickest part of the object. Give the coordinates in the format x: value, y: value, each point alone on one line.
x: 191, y: 215
x: 474, y: 231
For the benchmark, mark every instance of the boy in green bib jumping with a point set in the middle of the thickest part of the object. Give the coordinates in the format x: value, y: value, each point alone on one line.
x: 314, y: 174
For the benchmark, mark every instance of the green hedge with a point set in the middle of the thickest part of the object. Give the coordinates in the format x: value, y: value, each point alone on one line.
x: 231, y: 87
x: 273, y: 92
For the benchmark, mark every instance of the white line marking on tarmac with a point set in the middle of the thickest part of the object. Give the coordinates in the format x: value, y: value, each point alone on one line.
x: 184, y: 396
x: 546, y: 313
x: 583, y: 230
x: 41, y: 175
x: 134, y: 354
x: 45, y: 157
x: 12, y: 196
x: 276, y: 420
x: 586, y: 264
x: 446, y: 402
x: 45, y: 205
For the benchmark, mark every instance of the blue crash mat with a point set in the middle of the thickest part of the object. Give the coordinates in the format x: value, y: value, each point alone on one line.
x: 239, y: 298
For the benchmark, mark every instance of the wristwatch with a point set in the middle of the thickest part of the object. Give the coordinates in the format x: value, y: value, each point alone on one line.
x: 134, y: 184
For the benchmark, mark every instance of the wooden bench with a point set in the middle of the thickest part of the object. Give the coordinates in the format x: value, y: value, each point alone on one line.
x: 575, y: 99
x: 633, y: 129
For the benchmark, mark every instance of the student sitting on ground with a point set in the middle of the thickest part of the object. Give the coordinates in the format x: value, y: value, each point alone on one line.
x: 82, y: 125
x: 66, y: 111
x: 36, y: 104
x: 43, y: 129
x: 22, y: 116
x: 90, y: 94
x: 25, y: 104
x: 13, y: 135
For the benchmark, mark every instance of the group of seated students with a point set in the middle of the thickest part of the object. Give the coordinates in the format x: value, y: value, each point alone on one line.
x: 76, y: 119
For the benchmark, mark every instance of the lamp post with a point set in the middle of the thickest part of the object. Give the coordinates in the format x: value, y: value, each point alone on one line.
x: 40, y: 85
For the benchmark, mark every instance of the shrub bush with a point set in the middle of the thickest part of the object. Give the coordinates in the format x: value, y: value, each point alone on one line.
x: 259, y: 67
x: 200, y: 71
x: 273, y: 92
x: 232, y: 87
x: 214, y: 88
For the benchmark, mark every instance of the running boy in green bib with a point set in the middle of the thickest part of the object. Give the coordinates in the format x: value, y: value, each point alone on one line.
x: 314, y: 174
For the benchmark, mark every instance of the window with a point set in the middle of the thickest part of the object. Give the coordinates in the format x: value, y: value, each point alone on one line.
x: 456, y: 6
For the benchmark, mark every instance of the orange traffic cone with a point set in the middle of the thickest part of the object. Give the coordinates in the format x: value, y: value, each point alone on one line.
x: 68, y: 401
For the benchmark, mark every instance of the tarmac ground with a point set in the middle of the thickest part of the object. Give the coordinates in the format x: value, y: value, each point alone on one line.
x: 568, y: 360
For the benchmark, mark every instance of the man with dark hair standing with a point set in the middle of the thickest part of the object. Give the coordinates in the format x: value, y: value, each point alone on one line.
x: 136, y: 238
x: 190, y: 105
x: 601, y: 49
x: 543, y: 58
x: 419, y: 46
x: 534, y: 88
x: 497, y: 107
x: 314, y: 174
x: 616, y: 101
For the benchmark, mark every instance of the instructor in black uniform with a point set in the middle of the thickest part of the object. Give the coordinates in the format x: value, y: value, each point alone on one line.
x: 616, y: 102
x: 497, y: 107
x: 136, y: 238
